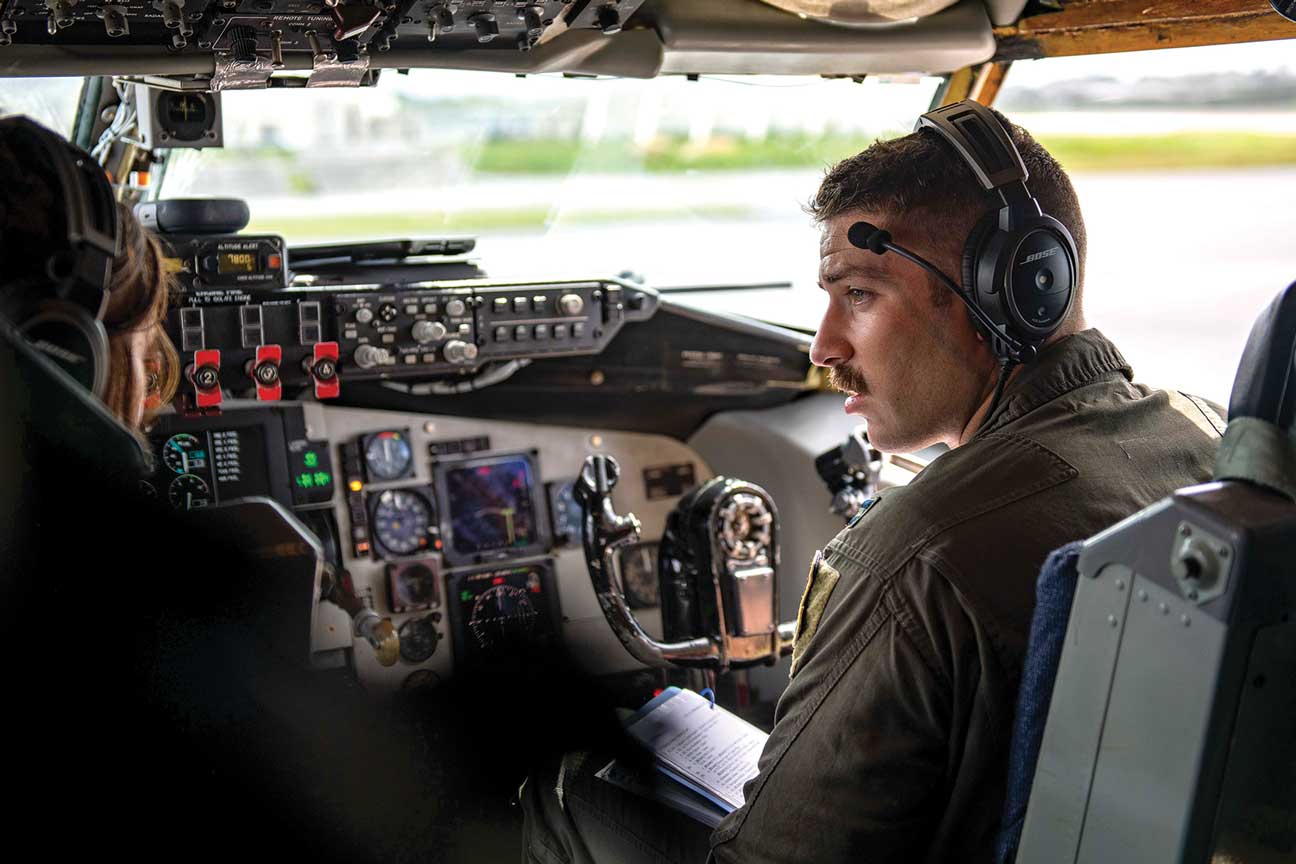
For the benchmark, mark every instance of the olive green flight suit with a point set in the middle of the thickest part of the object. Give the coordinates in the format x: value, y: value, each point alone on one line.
x: 891, y: 741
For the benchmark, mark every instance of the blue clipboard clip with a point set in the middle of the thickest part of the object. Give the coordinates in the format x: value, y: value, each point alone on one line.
x: 710, y: 694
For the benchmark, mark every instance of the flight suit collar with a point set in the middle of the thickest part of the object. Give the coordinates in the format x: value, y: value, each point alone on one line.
x: 1071, y: 362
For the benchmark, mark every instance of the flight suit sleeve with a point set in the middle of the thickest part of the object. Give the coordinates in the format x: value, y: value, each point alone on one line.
x: 857, y: 765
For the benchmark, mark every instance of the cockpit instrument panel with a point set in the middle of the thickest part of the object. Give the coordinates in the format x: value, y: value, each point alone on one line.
x: 492, y: 509
x: 273, y: 343
x: 637, y: 565
x: 503, y: 609
x: 387, y: 456
x: 413, y: 585
x: 564, y: 512
x: 202, y: 461
x: 403, y: 522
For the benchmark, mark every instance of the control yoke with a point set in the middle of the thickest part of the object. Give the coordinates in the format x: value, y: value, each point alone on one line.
x: 717, y: 565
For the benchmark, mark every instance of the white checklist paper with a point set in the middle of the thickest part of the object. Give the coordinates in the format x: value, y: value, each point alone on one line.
x: 703, y: 746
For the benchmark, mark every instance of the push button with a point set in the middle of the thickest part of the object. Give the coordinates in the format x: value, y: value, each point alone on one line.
x: 541, y: 332
x: 521, y: 332
x: 560, y: 331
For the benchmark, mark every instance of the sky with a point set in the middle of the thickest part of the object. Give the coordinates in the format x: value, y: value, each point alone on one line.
x: 1132, y: 65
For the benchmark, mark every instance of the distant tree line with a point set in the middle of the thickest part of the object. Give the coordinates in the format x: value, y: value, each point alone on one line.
x: 1269, y: 89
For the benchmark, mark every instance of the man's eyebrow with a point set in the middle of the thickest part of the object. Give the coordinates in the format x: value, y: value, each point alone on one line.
x: 839, y: 272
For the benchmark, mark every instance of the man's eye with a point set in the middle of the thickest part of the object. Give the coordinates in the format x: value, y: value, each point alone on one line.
x: 859, y: 295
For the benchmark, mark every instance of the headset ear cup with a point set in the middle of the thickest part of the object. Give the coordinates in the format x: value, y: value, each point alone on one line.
x: 971, y: 254
x: 69, y: 336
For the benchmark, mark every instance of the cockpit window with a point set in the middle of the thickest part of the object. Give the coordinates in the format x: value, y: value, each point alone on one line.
x: 1180, y: 158
x: 49, y: 101
x: 680, y: 182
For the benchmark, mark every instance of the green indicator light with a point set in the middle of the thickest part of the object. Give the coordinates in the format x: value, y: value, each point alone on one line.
x: 465, y: 596
x: 311, y: 459
x: 322, y: 478
x: 305, y: 481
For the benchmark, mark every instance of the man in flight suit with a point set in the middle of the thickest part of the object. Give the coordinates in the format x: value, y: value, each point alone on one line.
x: 891, y: 740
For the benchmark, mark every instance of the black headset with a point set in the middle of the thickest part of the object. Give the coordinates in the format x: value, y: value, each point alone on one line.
x: 1020, y: 265
x: 60, y: 307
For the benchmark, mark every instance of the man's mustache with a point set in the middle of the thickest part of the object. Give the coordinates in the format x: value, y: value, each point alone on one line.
x: 846, y: 380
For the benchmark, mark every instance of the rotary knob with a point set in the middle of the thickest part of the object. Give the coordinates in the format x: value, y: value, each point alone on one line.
x: 571, y: 304
x: 428, y: 331
x: 364, y: 315
x: 455, y: 308
x: 458, y: 351
x: 368, y: 356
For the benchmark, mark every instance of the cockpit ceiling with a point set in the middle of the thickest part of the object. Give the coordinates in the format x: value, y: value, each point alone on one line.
x: 243, y: 43
x: 71, y: 37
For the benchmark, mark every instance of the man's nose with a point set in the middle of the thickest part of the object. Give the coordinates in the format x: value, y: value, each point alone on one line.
x: 830, y: 346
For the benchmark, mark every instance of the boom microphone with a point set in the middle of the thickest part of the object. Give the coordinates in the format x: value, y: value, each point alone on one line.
x: 867, y: 236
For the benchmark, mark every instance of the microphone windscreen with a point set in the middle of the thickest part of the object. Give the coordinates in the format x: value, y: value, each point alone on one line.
x: 866, y: 235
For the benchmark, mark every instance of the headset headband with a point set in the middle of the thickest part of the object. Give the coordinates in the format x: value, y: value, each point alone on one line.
x: 983, y: 142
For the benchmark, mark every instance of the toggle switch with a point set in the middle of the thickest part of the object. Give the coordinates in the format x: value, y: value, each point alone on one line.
x: 264, y: 372
x: 324, y: 369
x: 204, y: 374
x: 486, y: 25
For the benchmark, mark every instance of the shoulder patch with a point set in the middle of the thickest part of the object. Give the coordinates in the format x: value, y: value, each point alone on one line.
x: 819, y: 587
x: 864, y: 508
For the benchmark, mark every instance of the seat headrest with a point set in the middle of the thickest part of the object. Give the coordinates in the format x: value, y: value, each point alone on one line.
x: 1265, y: 386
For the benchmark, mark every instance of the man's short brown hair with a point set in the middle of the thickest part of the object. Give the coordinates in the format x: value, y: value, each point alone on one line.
x: 920, y: 177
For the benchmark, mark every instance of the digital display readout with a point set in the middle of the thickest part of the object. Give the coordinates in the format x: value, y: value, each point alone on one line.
x: 236, y: 262
x: 491, y: 505
x: 239, y: 463
x: 502, y: 610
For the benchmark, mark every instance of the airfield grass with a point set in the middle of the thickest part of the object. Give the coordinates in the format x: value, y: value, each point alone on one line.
x: 1080, y: 153
x: 340, y: 226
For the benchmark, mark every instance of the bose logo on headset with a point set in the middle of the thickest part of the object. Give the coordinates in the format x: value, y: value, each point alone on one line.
x: 1038, y: 255
x: 58, y: 351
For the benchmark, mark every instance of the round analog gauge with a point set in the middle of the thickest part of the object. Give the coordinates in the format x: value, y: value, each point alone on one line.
x: 148, y: 490
x: 388, y: 456
x: 187, y: 116
x: 184, y: 453
x: 402, y: 521
x: 418, y: 639
x: 188, y: 492
x: 639, y: 575
x: 502, y: 614
x: 413, y: 587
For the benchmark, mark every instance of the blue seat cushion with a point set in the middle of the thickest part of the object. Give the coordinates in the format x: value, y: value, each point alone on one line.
x: 1054, y: 592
